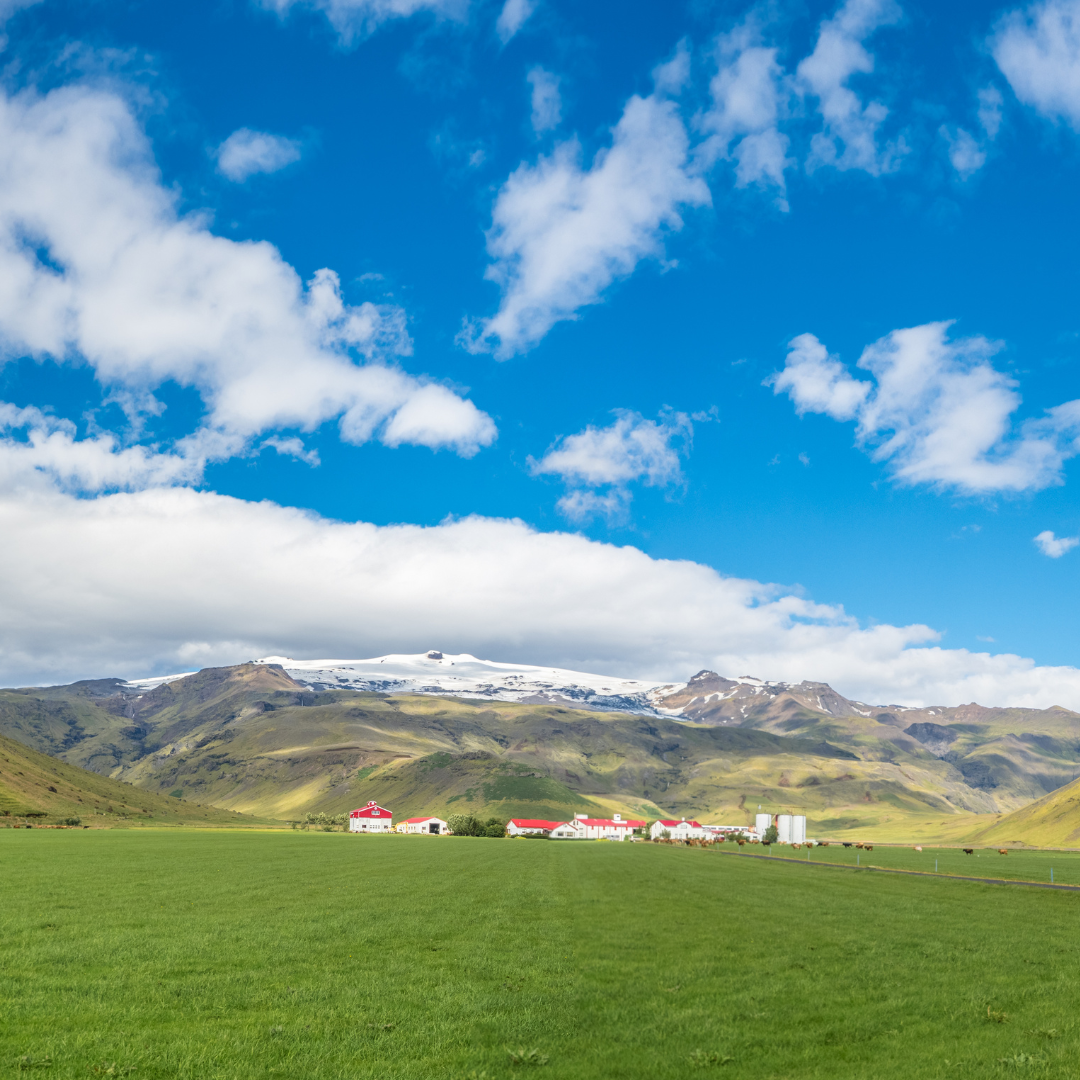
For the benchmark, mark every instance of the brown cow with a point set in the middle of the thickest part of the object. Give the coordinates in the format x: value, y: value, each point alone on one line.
x: 858, y: 845
x: 1003, y: 851
x: 823, y: 843
x: 796, y: 846
x: 969, y: 851
x: 868, y: 847
x: 741, y: 842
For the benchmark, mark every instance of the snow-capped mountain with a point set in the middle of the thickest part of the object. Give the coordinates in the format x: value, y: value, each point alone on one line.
x: 466, y: 676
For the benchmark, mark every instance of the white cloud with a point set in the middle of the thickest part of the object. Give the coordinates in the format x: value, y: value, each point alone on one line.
x: 1055, y: 546
x: 245, y: 153
x: 513, y: 17
x: 355, y: 20
x: 990, y: 102
x: 97, y: 267
x: 1038, y: 51
x: 965, y: 153
x: 938, y: 410
x: 849, y: 139
x: 546, y: 101
x: 561, y: 233
x: 631, y: 449
x: 90, y: 589
x: 750, y: 95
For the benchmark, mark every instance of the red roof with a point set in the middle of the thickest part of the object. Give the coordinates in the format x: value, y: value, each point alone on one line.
x: 372, y: 810
x: 609, y: 822
x: 672, y: 824
x: 533, y: 823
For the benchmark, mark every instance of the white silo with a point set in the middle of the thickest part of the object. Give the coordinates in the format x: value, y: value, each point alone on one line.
x: 798, y: 829
x: 783, y: 829
x: 761, y: 823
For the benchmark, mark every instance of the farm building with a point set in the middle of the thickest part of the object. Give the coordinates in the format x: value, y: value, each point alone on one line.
x: 586, y: 828
x: 678, y: 830
x: 529, y: 827
x: 723, y: 831
x: 371, y: 819
x: 424, y: 826
x: 791, y: 828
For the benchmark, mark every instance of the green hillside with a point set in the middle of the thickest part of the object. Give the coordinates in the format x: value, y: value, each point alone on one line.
x: 37, y: 788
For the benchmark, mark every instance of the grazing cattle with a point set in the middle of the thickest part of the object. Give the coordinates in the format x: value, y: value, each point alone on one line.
x: 1003, y: 851
x: 868, y: 847
x: 845, y: 843
x: 741, y: 842
x: 969, y: 851
x: 823, y: 843
x: 796, y: 846
x: 858, y: 845
x: 917, y: 848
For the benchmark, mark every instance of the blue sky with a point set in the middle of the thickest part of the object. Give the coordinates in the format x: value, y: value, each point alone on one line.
x: 444, y: 263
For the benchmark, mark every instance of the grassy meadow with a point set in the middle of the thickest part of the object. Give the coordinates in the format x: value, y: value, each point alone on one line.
x: 197, y: 955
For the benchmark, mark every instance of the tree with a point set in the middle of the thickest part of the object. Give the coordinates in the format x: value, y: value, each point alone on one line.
x: 495, y: 827
x: 464, y: 825
x: 771, y: 835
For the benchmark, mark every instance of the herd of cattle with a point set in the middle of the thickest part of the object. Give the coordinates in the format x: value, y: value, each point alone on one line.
x: 742, y: 841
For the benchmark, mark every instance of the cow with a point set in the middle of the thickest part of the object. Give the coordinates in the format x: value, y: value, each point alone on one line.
x: 741, y: 842
x: 918, y: 848
x: 796, y: 846
x: 969, y: 851
x: 868, y: 847
x: 1003, y: 851
x: 823, y: 843
x: 858, y: 845
x: 845, y: 843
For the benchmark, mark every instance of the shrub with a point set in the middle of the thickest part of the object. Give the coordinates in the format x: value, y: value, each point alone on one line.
x: 771, y: 835
x: 495, y: 827
x: 464, y: 825
x: 71, y: 821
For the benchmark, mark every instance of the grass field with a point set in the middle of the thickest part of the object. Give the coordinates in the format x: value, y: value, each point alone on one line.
x: 204, y: 955
x: 1019, y: 865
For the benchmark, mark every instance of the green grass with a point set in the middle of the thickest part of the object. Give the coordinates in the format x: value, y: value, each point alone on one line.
x: 204, y: 955
x: 1019, y: 865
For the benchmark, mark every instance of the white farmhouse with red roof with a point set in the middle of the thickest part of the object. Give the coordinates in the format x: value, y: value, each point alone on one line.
x: 520, y: 826
x: 587, y: 828
x: 373, y: 818
x: 678, y: 830
x: 424, y: 826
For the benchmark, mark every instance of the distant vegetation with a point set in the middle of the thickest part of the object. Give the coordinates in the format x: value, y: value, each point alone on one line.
x: 192, y: 955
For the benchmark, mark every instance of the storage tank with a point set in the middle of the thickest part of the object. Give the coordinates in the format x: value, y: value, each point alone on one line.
x: 761, y: 823
x: 798, y: 829
x: 783, y: 829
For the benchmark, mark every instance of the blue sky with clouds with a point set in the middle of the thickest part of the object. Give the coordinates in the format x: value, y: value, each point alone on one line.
x: 630, y: 336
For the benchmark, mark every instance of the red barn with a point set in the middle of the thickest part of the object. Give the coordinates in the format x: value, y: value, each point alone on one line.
x: 373, y: 818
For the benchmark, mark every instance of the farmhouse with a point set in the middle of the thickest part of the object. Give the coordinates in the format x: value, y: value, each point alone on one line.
x: 678, y: 830
x: 371, y: 819
x: 529, y: 827
x: 587, y: 828
x: 424, y: 826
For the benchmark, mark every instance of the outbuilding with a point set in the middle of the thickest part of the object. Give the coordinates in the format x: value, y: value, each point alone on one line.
x: 373, y: 818
x: 587, y: 828
x: 424, y: 826
x: 530, y: 827
x: 678, y: 830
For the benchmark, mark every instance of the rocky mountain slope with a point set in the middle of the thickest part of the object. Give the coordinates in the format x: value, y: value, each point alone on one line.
x: 278, y: 741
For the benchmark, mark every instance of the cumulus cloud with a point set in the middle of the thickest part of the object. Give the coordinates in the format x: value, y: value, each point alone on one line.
x: 355, y: 20
x: 512, y: 18
x: 750, y: 94
x: 849, y: 139
x: 611, y: 458
x: 98, y: 267
x: 937, y: 410
x: 965, y: 153
x: 1037, y: 49
x: 259, y: 579
x: 562, y: 233
x: 546, y: 100
x: 990, y: 103
x: 1055, y: 546
x: 245, y: 153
